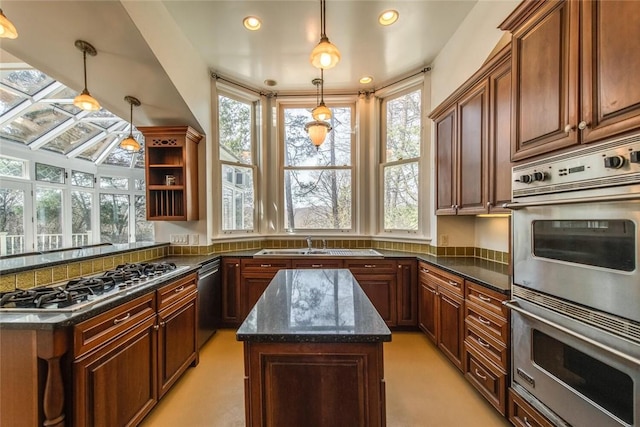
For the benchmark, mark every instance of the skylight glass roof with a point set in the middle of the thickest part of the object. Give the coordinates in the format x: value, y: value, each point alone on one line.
x: 38, y: 111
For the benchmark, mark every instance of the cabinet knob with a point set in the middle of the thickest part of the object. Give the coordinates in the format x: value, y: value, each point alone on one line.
x: 237, y: 265
x: 162, y: 323
x: 583, y: 125
x: 569, y: 128
x: 489, y: 204
x: 156, y: 327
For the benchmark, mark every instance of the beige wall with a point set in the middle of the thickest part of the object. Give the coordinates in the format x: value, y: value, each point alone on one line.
x: 463, y: 55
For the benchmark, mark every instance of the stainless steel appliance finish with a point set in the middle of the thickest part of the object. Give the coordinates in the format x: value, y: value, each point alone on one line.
x: 587, y: 376
x: 576, y: 228
x: 209, y: 300
x: 576, y: 284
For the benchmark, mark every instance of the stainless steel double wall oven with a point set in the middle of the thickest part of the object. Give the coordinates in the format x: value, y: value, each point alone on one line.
x: 576, y: 284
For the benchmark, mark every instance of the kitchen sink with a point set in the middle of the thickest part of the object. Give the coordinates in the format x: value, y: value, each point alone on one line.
x: 318, y: 252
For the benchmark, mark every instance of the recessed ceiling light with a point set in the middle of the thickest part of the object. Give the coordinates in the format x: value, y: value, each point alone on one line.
x: 388, y: 17
x: 252, y: 23
x: 366, y: 79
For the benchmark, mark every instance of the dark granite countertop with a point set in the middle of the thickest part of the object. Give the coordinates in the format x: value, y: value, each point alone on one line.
x: 314, y: 305
x: 47, y: 320
x: 29, y: 262
x: 490, y: 274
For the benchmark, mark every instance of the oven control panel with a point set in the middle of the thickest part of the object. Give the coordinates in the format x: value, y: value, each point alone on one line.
x: 609, y: 165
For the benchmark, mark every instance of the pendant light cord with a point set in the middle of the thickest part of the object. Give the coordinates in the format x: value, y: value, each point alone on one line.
x: 84, y: 59
x: 323, y: 10
x: 322, y: 85
x: 131, y: 120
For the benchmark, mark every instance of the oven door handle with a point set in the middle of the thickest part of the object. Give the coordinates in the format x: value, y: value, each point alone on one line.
x: 513, y: 305
x: 618, y: 198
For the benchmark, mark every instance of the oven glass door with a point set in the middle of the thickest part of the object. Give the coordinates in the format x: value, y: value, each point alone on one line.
x: 587, y: 253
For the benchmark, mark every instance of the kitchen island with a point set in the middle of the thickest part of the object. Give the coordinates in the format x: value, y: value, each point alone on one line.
x: 313, y: 352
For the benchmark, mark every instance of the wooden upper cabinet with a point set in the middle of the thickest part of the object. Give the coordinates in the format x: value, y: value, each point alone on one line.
x: 473, y: 140
x: 610, y: 64
x: 171, y: 172
x: 575, y: 74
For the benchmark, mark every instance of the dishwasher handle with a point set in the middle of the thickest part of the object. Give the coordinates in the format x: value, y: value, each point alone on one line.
x: 208, y: 273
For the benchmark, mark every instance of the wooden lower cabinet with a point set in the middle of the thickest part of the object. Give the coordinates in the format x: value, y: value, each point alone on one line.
x: 231, y: 301
x: 407, y: 285
x: 522, y: 414
x: 117, y: 384
x: 314, y: 384
x: 378, y: 280
x: 487, y: 378
x: 441, y: 310
x: 255, y: 276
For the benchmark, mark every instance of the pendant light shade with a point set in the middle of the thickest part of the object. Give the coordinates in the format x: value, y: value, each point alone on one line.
x: 317, y: 131
x: 7, y: 29
x: 130, y: 143
x: 325, y: 55
x: 85, y: 101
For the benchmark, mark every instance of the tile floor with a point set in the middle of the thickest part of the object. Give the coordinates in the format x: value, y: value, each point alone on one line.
x: 422, y: 388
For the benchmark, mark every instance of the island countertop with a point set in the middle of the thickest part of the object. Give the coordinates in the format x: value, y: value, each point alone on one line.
x: 314, y: 306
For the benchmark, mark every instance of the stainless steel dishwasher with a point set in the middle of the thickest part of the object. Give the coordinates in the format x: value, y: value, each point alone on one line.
x: 209, y: 294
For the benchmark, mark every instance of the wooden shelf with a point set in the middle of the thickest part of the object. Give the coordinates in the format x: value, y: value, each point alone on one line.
x: 171, y: 151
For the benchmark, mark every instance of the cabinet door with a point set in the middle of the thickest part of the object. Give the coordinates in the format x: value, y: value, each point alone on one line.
x: 231, y: 292
x: 610, y: 64
x: 253, y: 286
x: 177, y: 341
x: 445, y: 162
x: 428, y: 308
x: 381, y: 291
x: 545, y: 81
x: 472, y: 160
x: 500, y: 138
x: 317, y: 263
x: 407, y: 281
x: 116, y: 384
x: 451, y: 326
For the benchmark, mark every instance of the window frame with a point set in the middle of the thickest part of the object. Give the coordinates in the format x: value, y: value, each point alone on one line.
x: 354, y: 166
x: 254, y: 103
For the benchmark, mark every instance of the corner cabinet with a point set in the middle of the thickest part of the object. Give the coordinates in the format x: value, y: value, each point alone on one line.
x: 171, y: 172
x: 473, y: 133
x: 589, y: 88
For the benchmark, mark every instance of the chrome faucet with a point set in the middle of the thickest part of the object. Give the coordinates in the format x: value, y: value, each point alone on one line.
x: 309, y: 242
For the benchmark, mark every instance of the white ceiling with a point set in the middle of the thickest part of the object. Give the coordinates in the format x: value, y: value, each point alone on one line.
x: 127, y: 65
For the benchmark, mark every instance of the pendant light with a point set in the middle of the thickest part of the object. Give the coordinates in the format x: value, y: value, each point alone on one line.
x: 318, y: 128
x: 7, y: 29
x: 325, y: 55
x: 85, y: 101
x: 321, y: 112
x: 130, y: 143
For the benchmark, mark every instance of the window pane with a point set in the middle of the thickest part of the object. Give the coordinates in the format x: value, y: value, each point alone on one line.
x: 34, y: 122
x: 49, y: 173
x: 235, y: 130
x: 12, y: 167
x: 82, y: 179
x: 71, y: 138
x: 401, y: 197
x: 81, y: 203
x: 11, y: 221
x: 138, y: 184
x: 8, y: 100
x: 49, y: 218
x: 26, y: 81
x: 336, y: 149
x: 144, y: 228
x: 117, y: 183
x: 114, y: 218
x: 317, y: 199
x: 403, y: 127
x: 120, y: 157
x: 237, y: 198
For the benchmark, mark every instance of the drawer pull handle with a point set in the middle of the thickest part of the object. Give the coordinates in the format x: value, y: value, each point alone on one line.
x: 483, y: 320
x: 483, y: 343
x: 483, y: 298
x: 526, y: 421
x: 452, y: 283
x: 316, y: 265
x: 265, y: 265
x: 424, y: 270
x: 122, y: 319
x: 180, y: 289
x: 433, y: 291
x: 369, y: 266
x: 479, y: 375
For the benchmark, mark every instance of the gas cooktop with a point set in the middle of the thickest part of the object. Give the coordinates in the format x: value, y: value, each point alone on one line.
x: 85, y: 292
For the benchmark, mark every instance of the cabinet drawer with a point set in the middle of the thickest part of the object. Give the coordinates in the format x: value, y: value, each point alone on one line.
x: 168, y: 294
x: 101, y: 329
x: 488, y: 322
x: 486, y: 298
x: 317, y: 263
x: 370, y: 266
x: 264, y: 265
x: 488, y: 346
x: 444, y: 279
x: 521, y: 414
x: 491, y: 383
